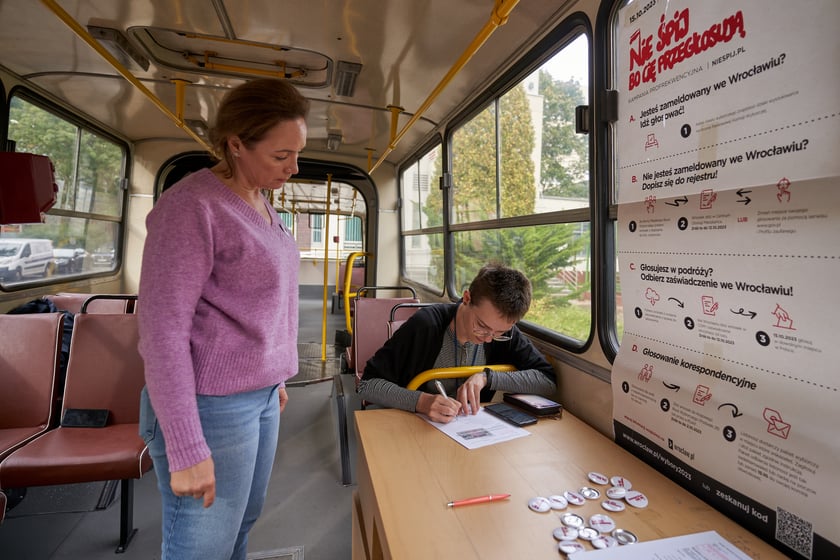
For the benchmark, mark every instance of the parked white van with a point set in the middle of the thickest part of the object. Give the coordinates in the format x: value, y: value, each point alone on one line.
x: 21, y: 258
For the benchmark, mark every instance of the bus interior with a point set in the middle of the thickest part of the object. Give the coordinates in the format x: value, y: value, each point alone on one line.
x: 554, y: 136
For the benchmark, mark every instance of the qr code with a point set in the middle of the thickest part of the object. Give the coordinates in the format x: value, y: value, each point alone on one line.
x: 795, y: 532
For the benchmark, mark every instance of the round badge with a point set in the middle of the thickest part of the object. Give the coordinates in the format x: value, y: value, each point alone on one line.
x: 622, y: 482
x: 564, y: 533
x: 539, y: 504
x: 570, y: 547
x: 624, y: 537
x: 574, y: 498
x: 588, y: 533
x: 636, y: 499
x: 612, y: 505
x: 616, y: 492
x: 604, y: 541
x: 603, y: 523
x: 572, y: 520
x: 589, y: 493
x: 598, y: 478
x: 558, y: 502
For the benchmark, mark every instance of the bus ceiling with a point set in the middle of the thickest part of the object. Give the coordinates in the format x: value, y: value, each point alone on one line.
x: 368, y: 100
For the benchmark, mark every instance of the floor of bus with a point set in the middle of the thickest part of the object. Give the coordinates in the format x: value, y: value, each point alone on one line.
x: 307, y: 513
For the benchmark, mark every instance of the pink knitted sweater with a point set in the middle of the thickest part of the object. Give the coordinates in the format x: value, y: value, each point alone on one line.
x: 217, y: 306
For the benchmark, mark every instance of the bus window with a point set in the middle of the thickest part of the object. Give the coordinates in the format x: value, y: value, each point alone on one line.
x: 302, y: 208
x: 520, y: 160
x: 551, y: 255
x: 84, y: 226
x: 422, y: 221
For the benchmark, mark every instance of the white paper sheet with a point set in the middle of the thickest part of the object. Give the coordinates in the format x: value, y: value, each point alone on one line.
x: 478, y: 430
x: 698, y: 546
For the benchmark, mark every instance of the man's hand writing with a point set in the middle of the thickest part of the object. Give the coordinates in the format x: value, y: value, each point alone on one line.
x: 469, y: 394
x: 438, y: 408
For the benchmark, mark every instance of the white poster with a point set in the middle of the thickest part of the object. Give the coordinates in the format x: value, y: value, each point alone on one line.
x: 729, y: 251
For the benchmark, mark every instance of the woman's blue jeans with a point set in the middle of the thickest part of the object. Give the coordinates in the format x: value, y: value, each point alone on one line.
x: 241, y: 431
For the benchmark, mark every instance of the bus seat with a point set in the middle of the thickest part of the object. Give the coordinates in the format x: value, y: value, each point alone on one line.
x: 357, y: 280
x: 401, y: 313
x: 370, y: 325
x: 104, y: 371
x: 30, y: 346
x: 96, y: 303
x: 450, y: 372
x: 370, y: 331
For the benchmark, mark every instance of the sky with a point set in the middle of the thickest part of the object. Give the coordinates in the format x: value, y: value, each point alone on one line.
x: 571, y: 62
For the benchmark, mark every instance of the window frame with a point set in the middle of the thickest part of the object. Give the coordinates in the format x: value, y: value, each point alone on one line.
x: 563, y: 35
x: 82, y: 125
x: 433, y: 143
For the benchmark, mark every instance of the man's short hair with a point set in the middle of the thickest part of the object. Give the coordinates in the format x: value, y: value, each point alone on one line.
x: 508, y: 289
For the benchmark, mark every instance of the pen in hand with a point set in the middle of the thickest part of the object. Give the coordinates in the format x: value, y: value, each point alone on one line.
x: 441, y: 390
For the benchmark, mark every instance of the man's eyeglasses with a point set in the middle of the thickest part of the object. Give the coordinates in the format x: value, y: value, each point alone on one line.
x: 482, y: 331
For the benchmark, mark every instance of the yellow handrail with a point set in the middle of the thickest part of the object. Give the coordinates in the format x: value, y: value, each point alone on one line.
x: 348, y: 277
x: 450, y: 372
x: 499, y: 16
x: 83, y: 34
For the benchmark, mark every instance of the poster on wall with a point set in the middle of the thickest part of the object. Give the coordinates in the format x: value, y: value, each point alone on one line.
x: 728, y: 174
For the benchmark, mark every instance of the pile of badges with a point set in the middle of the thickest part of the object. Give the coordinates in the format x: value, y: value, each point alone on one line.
x: 599, y: 530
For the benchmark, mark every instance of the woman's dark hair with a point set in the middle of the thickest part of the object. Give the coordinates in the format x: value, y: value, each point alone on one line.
x: 251, y: 109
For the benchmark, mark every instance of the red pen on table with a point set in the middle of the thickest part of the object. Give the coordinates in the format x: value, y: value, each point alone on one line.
x: 478, y: 500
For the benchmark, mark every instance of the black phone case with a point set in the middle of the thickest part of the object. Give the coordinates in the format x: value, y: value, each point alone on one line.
x: 85, y: 418
x: 510, y: 414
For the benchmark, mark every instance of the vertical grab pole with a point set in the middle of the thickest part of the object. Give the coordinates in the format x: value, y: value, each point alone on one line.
x: 326, y: 272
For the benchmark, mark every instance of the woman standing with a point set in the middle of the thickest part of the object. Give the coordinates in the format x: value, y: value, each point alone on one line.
x: 218, y: 317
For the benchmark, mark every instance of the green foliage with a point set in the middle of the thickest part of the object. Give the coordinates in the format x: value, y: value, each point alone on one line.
x: 571, y: 320
x: 474, y: 169
x: 88, y: 170
x: 541, y: 252
x: 565, y: 158
x: 516, y: 178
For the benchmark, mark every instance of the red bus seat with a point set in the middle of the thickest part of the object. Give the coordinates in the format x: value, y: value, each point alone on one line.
x: 104, y: 371
x: 29, y: 358
x: 370, y: 326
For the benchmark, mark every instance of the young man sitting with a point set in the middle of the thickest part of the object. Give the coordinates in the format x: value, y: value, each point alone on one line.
x: 479, y: 329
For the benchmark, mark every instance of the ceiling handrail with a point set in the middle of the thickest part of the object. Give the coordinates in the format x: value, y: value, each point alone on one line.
x: 83, y: 34
x: 499, y: 16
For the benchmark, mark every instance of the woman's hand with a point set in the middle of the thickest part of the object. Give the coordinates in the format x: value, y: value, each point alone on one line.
x: 284, y: 397
x: 197, y: 481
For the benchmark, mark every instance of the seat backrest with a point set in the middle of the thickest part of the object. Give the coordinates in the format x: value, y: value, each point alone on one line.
x: 105, y: 369
x: 29, y: 356
x: 357, y: 277
x: 401, y: 313
x: 104, y: 303
x: 370, y: 327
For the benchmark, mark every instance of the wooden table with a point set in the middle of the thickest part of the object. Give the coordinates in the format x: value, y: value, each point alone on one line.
x: 408, y: 471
